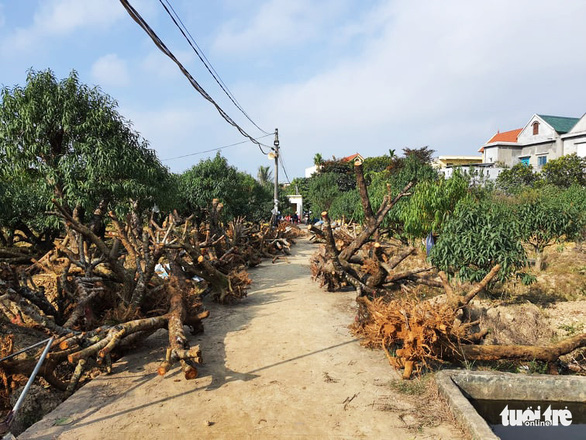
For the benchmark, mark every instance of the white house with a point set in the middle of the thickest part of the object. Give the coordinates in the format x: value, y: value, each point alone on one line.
x: 542, y: 139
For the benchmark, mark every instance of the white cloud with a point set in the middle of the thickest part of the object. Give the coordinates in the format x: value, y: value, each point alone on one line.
x: 278, y: 23
x: 436, y: 73
x: 174, y: 129
x: 157, y: 63
x: 110, y: 70
x: 61, y: 18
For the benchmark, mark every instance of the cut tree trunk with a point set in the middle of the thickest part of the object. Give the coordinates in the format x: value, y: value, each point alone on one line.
x: 548, y: 353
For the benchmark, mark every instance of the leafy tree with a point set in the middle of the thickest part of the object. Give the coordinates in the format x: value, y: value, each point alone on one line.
x: 264, y: 175
x: 347, y: 206
x: 431, y: 205
x: 23, y: 203
x: 323, y: 190
x: 574, y: 198
x: 318, y: 159
x: 422, y: 155
x: 515, y: 179
x: 377, y: 164
x: 565, y: 171
x: 214, y: 178
x: 477, y: 237
x: 403, y: 170
x: 545, y: 218
x: 344, y: 172
x: 69, y: 139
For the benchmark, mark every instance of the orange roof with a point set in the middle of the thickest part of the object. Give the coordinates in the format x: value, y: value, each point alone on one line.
x: 349, y: 158
x: 506, y: 136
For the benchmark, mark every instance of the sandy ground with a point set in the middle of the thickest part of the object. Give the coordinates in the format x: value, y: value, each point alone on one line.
x: 282, y: 364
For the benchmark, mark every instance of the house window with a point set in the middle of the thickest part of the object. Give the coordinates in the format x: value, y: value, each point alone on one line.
x: 541, y: 160
x: 535, y: 128
x: 524, y: 160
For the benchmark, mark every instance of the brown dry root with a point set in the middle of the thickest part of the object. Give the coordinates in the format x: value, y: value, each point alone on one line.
x: 103, y: 341
x: 323, y: 271
x: 100, y: 344
x: 412, y: 333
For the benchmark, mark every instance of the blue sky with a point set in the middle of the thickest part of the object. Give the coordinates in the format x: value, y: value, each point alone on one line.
x: 335, y: 76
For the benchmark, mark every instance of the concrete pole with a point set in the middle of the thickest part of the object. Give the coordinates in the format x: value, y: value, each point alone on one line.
x: 276, y: 190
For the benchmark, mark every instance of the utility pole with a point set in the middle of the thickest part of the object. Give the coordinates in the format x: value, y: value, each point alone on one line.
x: 275, y: 155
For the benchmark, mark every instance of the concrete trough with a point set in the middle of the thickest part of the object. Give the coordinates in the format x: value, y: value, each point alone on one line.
x: 457, y: 386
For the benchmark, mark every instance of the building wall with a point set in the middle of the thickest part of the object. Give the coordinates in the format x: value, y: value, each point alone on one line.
x: 297, y: 200
x: 545, y: 132
x: 575, y: 144
x: 506, y: 154
x: 551, y: 150
x: 310, y: 171
x: 489, y: 173
x: 444, y: 161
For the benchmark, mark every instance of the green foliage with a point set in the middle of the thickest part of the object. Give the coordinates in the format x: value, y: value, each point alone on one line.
x: 214, y: 178
x: 68, y: 140
x: 478, y: 236
x: 265, y: 175
x: 574, y: 198
x: 23, y: 203
x: 412, y: 168
x: 431, y: 204
x: 545, y: 218
x: 565, y: 171
x: 421, y: 155
x: 323, y: 190
x: 517, y: 178
x: 377, y: 164
x: 347, y: 206
x: 299, y: 185
x: 344, y: 172
x: 403, y: 170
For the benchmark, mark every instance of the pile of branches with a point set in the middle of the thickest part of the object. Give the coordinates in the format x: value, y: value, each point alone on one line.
x: 112, y: 281
x: 361, y: 259
x: 414, y: 333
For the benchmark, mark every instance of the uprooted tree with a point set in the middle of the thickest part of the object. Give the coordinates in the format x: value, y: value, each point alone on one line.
x: 92, y: 252
x: 112, y: 278
x: 416, y: 332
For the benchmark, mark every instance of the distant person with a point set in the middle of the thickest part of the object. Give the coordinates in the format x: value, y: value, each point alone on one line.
x: 295, y: 218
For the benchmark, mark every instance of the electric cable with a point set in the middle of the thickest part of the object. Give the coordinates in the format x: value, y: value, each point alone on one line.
x: 283, y: 166
x: 159, y: 43
x: 189, y: 38
x: 216, y: 149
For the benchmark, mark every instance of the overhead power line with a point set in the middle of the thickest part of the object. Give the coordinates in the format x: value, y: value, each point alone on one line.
x: 159, y: 43
x: 187, y: 35
x: 283, y: 166
x: 216, y: 149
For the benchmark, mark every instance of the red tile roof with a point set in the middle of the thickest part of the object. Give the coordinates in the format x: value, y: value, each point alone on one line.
x: 506, y: 136
x: 349, y: 158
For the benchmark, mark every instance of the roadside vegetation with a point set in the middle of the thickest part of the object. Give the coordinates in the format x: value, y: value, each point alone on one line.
x: 101, y: 245
x: 420, y: 267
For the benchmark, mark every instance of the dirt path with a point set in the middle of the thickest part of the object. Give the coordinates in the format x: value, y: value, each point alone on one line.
x: 282, y: 364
